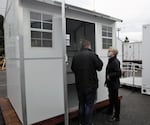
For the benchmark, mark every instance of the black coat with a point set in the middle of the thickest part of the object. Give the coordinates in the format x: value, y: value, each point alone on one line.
x: 84, y: 65
x: 113, y: 73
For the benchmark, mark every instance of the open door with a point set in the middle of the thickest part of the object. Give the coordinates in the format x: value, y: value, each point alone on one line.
x: 76, y: 32
x: 3, y: 88
x: 2, y: 48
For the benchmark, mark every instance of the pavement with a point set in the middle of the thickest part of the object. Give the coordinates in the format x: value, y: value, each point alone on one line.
x: 3, y: 92
x: 135, y: 110
x: 3, y: 89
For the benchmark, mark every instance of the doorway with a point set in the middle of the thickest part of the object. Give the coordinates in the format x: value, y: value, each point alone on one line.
x: 3, y: 90
x: 2, y: 52
x: 76, y: 31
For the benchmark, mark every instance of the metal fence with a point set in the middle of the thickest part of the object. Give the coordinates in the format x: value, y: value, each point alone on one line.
x: 131, y: 71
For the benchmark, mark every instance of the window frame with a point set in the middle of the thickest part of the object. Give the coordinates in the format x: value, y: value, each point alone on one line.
x: 41, y: 29
x: 107, y: 37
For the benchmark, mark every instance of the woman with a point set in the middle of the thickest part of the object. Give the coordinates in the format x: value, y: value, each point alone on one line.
x: 113, y: 74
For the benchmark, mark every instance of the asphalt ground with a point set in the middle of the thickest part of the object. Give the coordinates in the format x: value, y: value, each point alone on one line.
x: 135, y: 110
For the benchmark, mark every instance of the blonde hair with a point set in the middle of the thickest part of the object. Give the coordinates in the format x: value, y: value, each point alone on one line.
x: 114, y: 50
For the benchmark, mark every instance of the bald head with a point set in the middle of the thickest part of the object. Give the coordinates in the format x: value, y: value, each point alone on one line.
x: 86, y: 44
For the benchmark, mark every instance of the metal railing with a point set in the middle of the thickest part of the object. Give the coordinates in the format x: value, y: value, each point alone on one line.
x: 131, y: 70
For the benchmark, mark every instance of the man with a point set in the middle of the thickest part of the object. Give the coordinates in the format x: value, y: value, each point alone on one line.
x: 84, y: 65
x: 113, y: 74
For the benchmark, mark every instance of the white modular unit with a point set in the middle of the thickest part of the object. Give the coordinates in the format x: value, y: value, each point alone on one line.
x: 127, y: 51
x: 146, y: 60
x: 138, y: 51
x: 3, y: 7
x: 34, y: 53
x: 119, y: 47
x: 12, y: 53
x: 132, y: 51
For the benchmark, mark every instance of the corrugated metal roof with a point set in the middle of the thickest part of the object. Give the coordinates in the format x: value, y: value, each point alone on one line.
x: 82, y: 10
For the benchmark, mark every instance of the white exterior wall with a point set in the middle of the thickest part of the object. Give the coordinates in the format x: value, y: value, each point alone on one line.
x: 138, y: 51
x: 44, y: 89
x: 43, y: 67
x: 146, y: 60
x: 102, y: 93
x: 13, y: 57
x: 35, y: 52
x: 132, y: 51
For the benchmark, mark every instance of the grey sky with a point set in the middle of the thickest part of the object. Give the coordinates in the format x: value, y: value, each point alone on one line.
x: 134, y: 13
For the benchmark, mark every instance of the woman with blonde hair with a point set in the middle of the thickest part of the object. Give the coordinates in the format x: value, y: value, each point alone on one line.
x: 113, y: 74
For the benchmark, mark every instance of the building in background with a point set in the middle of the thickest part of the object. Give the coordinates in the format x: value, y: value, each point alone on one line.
x: 132, y: 52
x: 131, y: 63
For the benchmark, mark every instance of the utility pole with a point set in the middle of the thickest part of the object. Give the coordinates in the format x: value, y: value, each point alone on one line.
x: 94, y: 9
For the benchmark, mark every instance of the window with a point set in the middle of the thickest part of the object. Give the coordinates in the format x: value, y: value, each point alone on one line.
x: 106, y: 36
x: 41, y: 29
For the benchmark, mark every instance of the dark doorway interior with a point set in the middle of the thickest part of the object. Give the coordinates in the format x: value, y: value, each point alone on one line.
x: 76, y: 31
x: 3, y: 89
x: 2, y: 52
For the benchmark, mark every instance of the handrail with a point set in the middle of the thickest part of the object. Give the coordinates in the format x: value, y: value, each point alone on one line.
x: 130, y: 69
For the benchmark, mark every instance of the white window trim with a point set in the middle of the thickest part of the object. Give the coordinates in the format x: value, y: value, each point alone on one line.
x: 41, y: 29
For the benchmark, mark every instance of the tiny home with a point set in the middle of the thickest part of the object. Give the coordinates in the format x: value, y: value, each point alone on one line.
x: 35, y: 54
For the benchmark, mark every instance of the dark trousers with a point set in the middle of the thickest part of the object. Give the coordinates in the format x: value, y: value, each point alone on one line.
x: 114, y: 102
x: 86, y: 106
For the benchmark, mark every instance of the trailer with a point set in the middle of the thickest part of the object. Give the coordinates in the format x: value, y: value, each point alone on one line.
x: 38, y: 59
x: 132, y: 64
x: 146, y: 60
x: 132, y: 52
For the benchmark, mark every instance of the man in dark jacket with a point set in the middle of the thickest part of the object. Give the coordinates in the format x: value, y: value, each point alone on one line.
x: 113, y: 74
x: 84, y: 65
